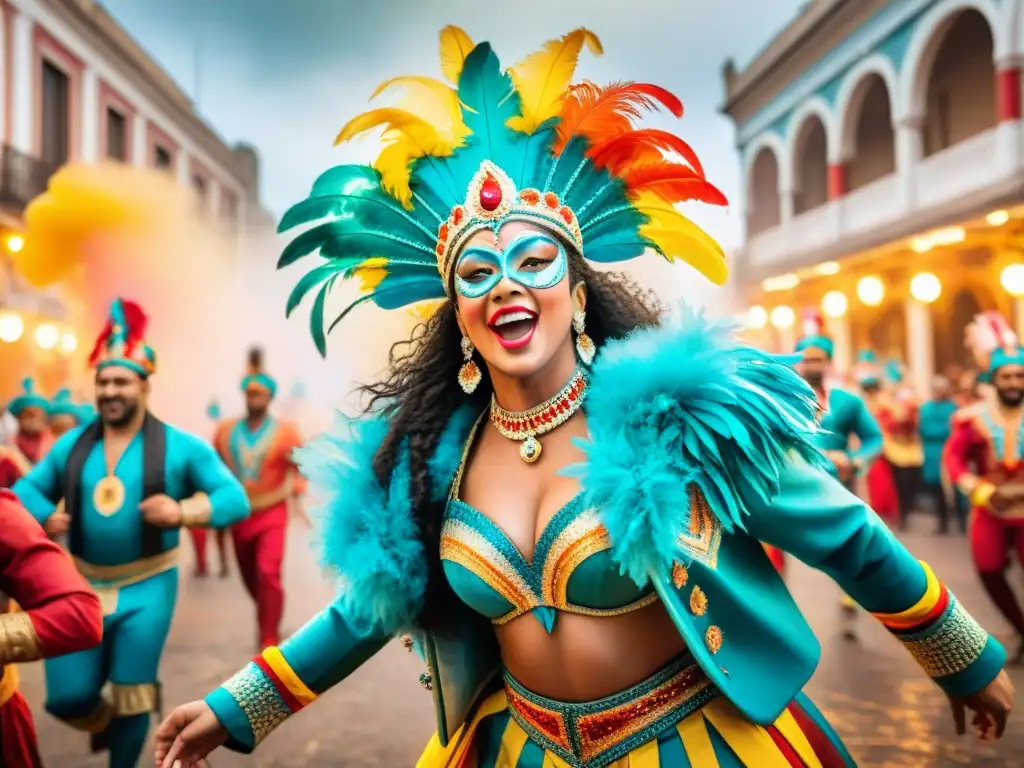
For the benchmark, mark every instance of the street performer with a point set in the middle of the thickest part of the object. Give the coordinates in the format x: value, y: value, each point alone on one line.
x: 49, y: 611
x: 560, y: 489
x: 200, y: 536
x: 127, y: 483
x: 65, y: 414
x: 260, y: 451
x: 33, y: 439
x: 984, y: 460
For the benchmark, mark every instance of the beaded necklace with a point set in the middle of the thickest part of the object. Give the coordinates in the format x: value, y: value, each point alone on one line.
x: 526, y: 426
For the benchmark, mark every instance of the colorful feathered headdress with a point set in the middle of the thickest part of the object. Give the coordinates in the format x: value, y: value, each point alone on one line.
x: 491, y: 146
x: 122, y: 342
x: 992, y: 342
x: 812, y: 333
x: 29, y: 398
x: 255, y: 375
x: 63, y: 404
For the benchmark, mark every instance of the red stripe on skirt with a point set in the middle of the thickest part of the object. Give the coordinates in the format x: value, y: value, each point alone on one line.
x: 784, y: 747
x: 824, y: 749
x: 18, y: 734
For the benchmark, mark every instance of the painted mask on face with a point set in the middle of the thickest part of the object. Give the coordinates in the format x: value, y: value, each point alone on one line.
x: 525, y: 260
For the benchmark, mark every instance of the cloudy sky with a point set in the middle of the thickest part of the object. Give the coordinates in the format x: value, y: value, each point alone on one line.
x: 285, y: 75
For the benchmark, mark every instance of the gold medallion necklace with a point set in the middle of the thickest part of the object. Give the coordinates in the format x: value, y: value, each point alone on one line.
x: 526, y: 426
x: 108, y: 494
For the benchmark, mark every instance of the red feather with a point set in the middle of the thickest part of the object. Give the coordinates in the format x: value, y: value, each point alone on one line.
x: 672, y: 182
x: 136, y: 320
x: 619, y: 152
x: 101, y: 343
x: 602, y: 113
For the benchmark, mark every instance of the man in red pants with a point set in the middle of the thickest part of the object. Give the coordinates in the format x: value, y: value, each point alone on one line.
x: 58, y: 614
x: 985, y: 459
x: 259, y: 449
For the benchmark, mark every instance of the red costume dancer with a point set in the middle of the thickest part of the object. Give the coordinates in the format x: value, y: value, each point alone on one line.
x: 200, y: 536
x: 259, y: 449
x: 985, y: 459
x: 59, y: 614
x: 33, y: 440
x: 881, y: 487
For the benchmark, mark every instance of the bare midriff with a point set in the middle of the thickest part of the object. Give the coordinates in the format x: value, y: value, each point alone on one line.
x: 584, y: 657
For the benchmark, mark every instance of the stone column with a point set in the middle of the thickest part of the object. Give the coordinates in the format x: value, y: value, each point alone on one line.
x: 22, y: 81
x: 140, y: 141
x: 90, y: 117
x: 909, y: 139
x: 842, y: 340
x: 920, y: 347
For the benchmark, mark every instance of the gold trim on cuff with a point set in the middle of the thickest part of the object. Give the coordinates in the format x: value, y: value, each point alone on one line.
x: 982, y: 494
x: 18, y: 639
x: 128, y: 700
x: 196, y: 511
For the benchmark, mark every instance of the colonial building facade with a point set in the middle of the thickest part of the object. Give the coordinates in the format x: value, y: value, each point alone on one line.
x: 882, y: 151
x: 74, y: 86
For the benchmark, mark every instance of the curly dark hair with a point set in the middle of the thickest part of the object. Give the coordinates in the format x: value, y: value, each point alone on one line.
x: 421, y: 392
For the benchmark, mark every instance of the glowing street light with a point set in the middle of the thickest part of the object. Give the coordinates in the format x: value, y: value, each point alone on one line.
x: 47, y: 336
x: 834, y: 304
x: 757, y: 317
x: 11, y: 327
x: 15, y: 243
x: 925, y: 287
x: 1012, y: 280
x: 68, y: 342
x: 783, y: 317
x: 870, y: 291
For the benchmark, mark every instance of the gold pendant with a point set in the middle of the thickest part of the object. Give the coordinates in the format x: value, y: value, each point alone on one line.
x: 108, y: 495
x: 529, y: 450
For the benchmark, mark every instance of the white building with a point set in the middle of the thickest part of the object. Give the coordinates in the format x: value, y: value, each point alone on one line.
x: 76, y: 87
x: 880, y: 141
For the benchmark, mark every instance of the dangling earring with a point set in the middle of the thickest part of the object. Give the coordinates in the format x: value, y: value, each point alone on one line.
x: 469, y: 373
x: 584, y: 344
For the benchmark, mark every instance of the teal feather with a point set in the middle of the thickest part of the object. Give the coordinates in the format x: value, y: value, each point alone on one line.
x: 316, y: 317
x: 28, y: 386
x: 616, y: 245
x: 347, y: 238
x: 489, y: 99
x: 308, y: 282
x: 672, y: 406
x: 537, y: 157
x: 395, y: 296
x: 611, y: 221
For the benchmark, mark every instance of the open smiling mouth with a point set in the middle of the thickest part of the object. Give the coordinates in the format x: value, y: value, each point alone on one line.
x: 513, y: 327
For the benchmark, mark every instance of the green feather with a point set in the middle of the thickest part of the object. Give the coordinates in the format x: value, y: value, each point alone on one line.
x: 308, y: 282
x: 617, y: 245
x: 316, y: 318
x: 489, y: 99
x: 347, y: 238
x: 393, y: 297
x: 378, y: 211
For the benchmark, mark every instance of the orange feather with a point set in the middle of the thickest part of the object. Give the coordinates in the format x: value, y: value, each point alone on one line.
x: 619, y: 152
x: 672, y: 182
x: 602, y: 113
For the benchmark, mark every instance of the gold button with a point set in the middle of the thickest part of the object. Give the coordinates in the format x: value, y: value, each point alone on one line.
x: 679, y: 575
x: 713, y: 639
x: 698, y: 601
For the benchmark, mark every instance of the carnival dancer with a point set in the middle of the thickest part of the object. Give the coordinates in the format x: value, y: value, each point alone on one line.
x: 56, y: 613
x: 64, y: 413
x: 200, y: 535
x: 842, y: 417
x: 126, y: 484
x: 984, y: 459
x: 898, y: 416
x: 33, y: 439
x: 935, y: 423
x: 260, y: 449
x: 587, y: 584
x: 881, y: 486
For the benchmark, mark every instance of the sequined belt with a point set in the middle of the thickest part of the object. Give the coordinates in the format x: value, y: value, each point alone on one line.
x: 595, y: 734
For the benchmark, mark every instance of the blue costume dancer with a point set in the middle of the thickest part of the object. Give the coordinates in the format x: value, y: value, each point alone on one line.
x: 65, y: 414
x: 583, y: 574
x: 842, y: 415
x: 125, y: 484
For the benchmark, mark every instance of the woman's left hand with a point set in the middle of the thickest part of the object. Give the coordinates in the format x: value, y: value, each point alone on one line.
x: 991, y: 706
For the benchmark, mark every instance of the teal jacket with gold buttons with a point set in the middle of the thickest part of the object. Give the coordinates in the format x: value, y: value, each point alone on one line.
x: 699, y: 449
x: 848, y: 416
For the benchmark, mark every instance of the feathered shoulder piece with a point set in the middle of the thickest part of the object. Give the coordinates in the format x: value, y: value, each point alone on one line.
x: 688, y: 405
x: 488, y: 145
x: 368, y: 536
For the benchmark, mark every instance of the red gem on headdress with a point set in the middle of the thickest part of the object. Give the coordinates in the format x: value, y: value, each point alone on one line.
x: 457, y: 214
x: 530, y: 196
x: 442, y: 233
x: 551, y: 199
x: 490, y: 194
x: 439, y: 248
x: 566, y: 214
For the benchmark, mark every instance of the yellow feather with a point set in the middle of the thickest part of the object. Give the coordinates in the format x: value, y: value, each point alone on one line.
x: 371, y: 273
x: 455, y: 47
x: 542, y: 78
x: 432, y: 101
x: 679, y: 238
x: 406, y: 138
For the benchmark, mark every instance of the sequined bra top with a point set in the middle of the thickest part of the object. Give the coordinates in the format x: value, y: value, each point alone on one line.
x: 571, y: 570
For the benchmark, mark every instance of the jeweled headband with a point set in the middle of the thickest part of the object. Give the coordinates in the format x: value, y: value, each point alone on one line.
x: 490, y: 146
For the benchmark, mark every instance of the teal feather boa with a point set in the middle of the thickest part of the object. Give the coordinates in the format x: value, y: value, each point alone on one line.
x: 367, y: 534
x: 672, y: 406
x: 666, y: 407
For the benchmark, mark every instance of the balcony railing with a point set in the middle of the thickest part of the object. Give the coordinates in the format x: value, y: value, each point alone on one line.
x: 22, y: 178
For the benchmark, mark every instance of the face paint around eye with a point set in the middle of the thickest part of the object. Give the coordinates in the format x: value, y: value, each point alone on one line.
x: 513, y: 262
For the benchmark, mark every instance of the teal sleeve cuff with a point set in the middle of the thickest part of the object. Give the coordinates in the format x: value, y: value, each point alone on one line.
x: 980, y: 673
x: 231, y: 716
